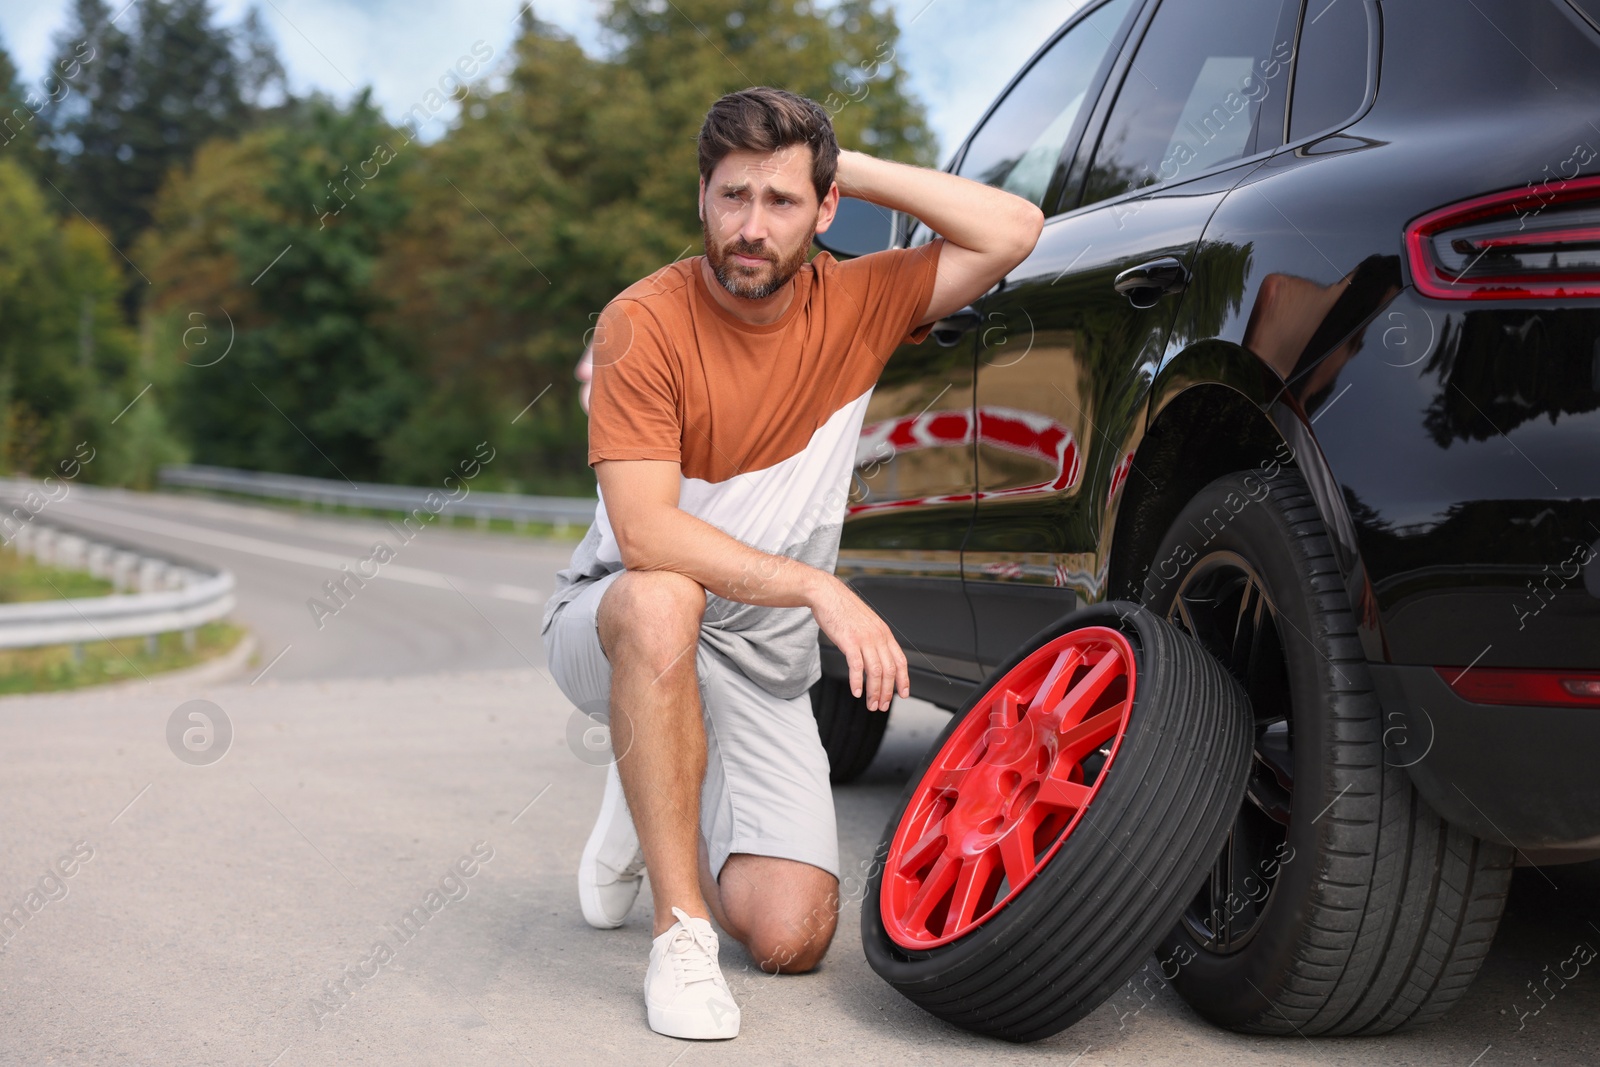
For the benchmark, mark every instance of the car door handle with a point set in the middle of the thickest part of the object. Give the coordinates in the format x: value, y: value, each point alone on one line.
x: 953, y: 327
x: 1144, y: 285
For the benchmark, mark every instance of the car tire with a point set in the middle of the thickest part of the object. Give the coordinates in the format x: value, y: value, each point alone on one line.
x: 850, y: 731
x: 1108, y: 872
x: 1369, y: 912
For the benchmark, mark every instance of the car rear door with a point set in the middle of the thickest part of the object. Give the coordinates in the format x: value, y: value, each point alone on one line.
x: 1071, y: 340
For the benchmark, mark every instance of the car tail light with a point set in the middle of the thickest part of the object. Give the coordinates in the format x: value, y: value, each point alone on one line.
x: 1576, y: 689
x: 1512, y: 245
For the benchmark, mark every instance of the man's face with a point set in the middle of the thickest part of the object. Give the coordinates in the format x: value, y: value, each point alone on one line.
x: 759, y: 212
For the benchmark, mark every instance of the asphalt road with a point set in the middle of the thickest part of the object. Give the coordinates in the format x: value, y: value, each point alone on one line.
x: 211, y: 908
x: 449, y: 599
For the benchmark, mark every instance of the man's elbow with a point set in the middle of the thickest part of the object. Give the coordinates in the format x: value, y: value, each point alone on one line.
x: 638, y: 544
x: 636, y: 554
x: 1026, y: 228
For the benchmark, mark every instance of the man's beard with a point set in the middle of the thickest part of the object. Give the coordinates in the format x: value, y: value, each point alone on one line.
x: 742, y: 280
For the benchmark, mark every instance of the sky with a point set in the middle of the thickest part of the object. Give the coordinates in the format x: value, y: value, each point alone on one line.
x: 958, y: 53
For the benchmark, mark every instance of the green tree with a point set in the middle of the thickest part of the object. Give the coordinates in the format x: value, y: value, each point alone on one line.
x: 332, y: 296
x: 157, y: 83
x: 68, y: 364
x: 269, y: 242
x: 87, y: 136
x: 261, y: 74
x: 690, y: 52
x: 549, y: 198
x: 20, y: 127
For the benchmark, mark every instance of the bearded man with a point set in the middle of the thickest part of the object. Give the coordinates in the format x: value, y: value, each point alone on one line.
x: 728, y: 396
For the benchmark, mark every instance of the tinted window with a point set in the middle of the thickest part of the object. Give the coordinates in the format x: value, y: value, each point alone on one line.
x: 1330, y: 69
x: 1019, y: 147
x: 1195, y: 93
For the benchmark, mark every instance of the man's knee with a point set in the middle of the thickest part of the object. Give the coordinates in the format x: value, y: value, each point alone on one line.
x: 787, y: 917
x: 652, y: 614
x: 794, y: 944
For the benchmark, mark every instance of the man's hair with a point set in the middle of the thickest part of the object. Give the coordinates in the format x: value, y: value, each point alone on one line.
x: 763, y: 119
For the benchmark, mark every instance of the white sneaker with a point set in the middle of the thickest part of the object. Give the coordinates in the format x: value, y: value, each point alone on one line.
x: 612, y: 868
x: 685, y: 994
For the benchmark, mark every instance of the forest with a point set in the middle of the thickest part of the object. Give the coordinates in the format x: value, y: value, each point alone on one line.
x: 198, y: 264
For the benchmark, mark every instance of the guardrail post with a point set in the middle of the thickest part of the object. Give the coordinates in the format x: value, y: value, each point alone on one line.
x: 123, y: 566
x: 150, y: 575
x: 70, y: 551
x: 44, y: 549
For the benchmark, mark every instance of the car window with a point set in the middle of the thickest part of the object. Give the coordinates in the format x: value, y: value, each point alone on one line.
x: 1330, y: 67
x: 1019, y: 147
x: 1195, y: 92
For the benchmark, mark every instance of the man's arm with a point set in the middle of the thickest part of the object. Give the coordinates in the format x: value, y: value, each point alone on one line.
x: 987, y: 231
x: 653, y: 533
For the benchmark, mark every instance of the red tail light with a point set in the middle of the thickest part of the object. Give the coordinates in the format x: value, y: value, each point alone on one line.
x: 1523, y: 243
x: 1573, y: 689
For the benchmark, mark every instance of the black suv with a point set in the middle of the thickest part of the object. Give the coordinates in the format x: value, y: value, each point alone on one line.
x: 1307, y: 363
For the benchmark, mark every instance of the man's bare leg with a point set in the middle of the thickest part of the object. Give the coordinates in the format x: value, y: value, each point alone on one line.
x: 784, y: 912
x: 649, y: 625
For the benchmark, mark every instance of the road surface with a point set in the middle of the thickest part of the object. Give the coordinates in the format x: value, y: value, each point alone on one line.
x: 211, y: 908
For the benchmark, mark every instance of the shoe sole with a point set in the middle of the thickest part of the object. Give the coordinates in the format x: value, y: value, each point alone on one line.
x: 588, y: 891
x: 692, y: 1026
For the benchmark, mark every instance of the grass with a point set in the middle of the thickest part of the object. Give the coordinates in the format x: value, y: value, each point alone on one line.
x: 21, y: 580
x: 44, y: 670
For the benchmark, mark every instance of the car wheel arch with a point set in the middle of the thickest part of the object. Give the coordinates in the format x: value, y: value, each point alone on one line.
x: 1177, y: 457
x: 1203, y: 428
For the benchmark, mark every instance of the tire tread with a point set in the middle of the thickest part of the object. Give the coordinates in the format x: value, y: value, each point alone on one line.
x: 1408, y: 905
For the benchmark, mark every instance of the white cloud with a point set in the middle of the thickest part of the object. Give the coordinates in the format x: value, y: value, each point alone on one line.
x: 958, y: 52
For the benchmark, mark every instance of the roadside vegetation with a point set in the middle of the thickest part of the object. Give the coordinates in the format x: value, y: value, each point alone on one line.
x: 43, y: 670
x: 39, y: 670
x: 23, y: 579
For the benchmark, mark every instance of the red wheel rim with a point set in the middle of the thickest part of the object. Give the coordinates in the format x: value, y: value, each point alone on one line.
x: 1007, y: 787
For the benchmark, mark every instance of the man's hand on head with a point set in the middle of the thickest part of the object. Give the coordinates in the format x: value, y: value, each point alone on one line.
x: 986, y: 231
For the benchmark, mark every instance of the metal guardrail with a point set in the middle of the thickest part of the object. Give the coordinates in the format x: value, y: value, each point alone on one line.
x: 560, y: 510
x: 171, y: 596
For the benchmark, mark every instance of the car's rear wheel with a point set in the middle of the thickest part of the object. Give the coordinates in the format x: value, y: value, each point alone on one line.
x: 1059, y: 825
x: 851, y: 732
x: 1341, y: 903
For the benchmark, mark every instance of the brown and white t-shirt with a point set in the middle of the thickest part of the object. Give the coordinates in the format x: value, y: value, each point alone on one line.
x: 764, y: 422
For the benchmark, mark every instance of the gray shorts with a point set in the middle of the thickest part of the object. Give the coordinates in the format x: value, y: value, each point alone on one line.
x: 766, y: 789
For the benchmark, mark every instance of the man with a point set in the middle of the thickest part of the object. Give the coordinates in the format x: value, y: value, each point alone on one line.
x: 727, y: 399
